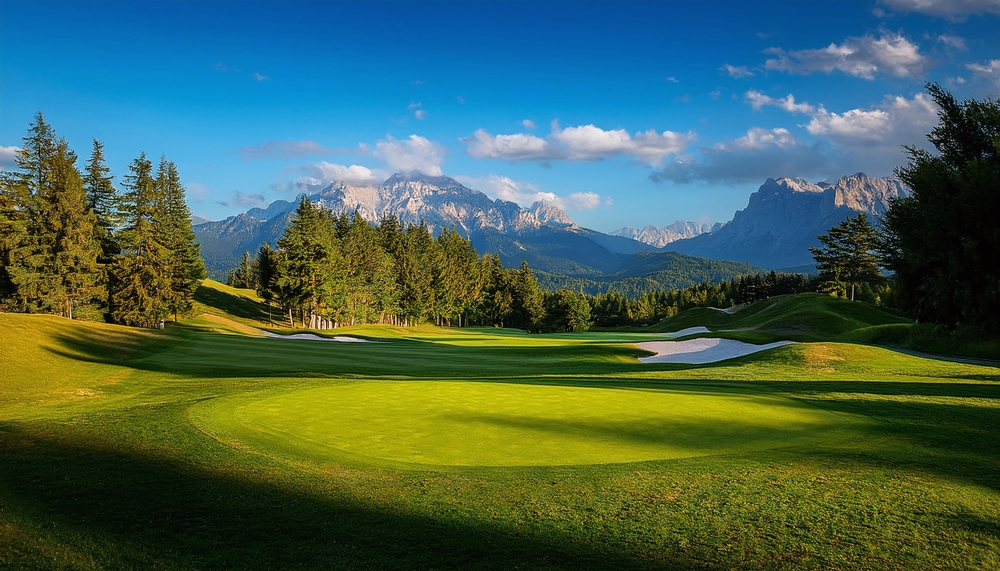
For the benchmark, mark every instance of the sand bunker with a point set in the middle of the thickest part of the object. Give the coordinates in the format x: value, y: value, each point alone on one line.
x: 688, y: 331
x: 701, y: 351
x: 730, y: 310
x: 314, y: 337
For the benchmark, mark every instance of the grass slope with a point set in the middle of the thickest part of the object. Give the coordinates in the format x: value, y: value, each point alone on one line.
x: 200, y: 447
x: 800, y: 317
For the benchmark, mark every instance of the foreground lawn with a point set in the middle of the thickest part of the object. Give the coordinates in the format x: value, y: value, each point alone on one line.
x: 206, y: 447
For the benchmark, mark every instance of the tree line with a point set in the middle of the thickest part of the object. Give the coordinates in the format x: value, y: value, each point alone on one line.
x: 934, y: 253
x: 333, y: 270
x: 73, y: 244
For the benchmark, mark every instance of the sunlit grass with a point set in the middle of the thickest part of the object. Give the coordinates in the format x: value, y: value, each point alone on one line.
x: 204, y: 447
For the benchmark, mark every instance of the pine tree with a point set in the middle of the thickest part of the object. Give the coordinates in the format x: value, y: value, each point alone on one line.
x: 31, y: 269
x: 311, y: 269
x: 13, y: 232
x: 141, y: 274
x: 266, y: 275
x: 943, y: 241
x: 242, y: 276
x: 70, y: 226
x: 186, y: 267
x: 103, y: 200
x: 848, y: 255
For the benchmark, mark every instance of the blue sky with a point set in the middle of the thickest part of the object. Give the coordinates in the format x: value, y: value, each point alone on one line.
x: 622, y: 113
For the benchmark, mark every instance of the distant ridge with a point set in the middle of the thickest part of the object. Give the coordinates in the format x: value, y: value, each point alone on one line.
x: 660, y: 237
x: 784, y: 216
x: 542, y: 234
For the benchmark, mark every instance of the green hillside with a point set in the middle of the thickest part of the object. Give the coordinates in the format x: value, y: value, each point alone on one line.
x: 799, y: 317
x: 209, y: 446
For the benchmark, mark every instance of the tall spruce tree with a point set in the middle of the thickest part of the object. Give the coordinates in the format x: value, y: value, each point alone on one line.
x: 70, y: 228
x: 31, y: 269
x: 142, y: 293
x: 13, y: 231
x: 267, y: 274
x: 187, y: 268
x: 103, y: 199
x: 311, y: 270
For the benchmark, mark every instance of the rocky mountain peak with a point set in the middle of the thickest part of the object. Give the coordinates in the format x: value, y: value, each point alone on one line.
x: 550, y: 214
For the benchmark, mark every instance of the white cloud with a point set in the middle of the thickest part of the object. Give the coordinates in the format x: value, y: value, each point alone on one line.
x: 525, y: 193
x: 529, y: 124
x: 673, y: 79
x: 414, y: 105
x: 896, y: 121
x: 259, y: 77
x: 862, y: 57
x: 758, y: 100
x: 739, y: 72
x: 953, y: 41
x: 414, y: 154
x: 356, y: 175
x: 516, y: 147
x: 245, y: 200
x: 583, y: 143
x: 7, y: 155
x: 989, y: 71
x: 952, y: 9
x: 758, y: 155
x: 420, y: 114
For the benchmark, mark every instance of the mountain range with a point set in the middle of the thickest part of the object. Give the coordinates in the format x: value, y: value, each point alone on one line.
x: 785, y: 216
x: 542, y: 234
x: 660, y: 237
x: 780, y: 221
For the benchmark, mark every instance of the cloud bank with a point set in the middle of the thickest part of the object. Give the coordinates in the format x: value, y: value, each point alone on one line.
x: 864, y: 57
x: 583, y: 143
x: 524, y: 193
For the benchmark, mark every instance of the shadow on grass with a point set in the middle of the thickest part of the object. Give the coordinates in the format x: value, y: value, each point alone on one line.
x: 119, y: 509
x: 231, y: 304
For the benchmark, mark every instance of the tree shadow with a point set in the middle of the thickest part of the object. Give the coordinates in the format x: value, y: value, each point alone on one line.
x: 231, y: 304
x: 127, y: 510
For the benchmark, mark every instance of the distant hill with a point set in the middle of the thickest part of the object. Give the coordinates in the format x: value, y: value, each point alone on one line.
x: 649, y: 271
x: 784, y: 216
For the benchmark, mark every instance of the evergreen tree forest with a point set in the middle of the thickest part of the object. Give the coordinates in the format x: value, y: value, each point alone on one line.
x: 72, y: 244
x: 336, y: 270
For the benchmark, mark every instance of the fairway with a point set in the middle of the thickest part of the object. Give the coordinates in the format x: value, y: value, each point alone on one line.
x: 502, y: 424
x: 208, y: 445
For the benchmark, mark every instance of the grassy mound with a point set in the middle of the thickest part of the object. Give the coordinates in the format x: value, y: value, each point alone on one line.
x: 241, y: 305
x: 800, y: 317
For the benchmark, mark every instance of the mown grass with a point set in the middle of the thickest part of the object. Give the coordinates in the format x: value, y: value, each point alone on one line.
x: 802, y: 317
x: 108, y: 460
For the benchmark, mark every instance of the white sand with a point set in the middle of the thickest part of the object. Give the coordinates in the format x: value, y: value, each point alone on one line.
x: 730, y: 310
x: 688, y: 331
x: 701, y: 351
x: 314, y: 337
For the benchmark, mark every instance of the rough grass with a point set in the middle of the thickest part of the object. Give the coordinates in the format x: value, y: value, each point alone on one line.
x: 132, y: 476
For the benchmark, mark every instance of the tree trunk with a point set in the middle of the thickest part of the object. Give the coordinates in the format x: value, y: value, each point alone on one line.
x: 852, y: 292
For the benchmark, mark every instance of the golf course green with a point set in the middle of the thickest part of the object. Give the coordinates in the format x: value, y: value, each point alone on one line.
x: 210, y: 446
x: 499, y: 424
